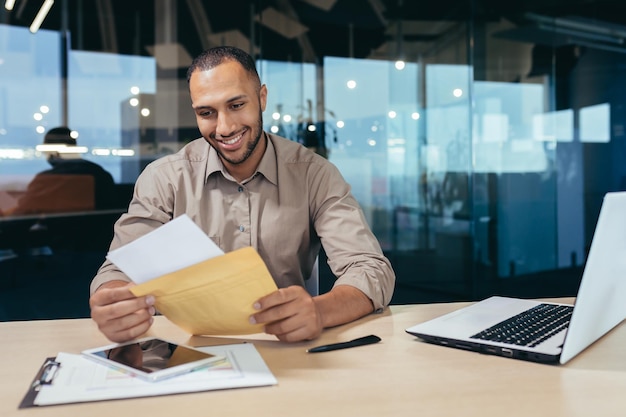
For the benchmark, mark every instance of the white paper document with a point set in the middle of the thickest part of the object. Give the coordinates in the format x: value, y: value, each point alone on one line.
x: 82, y: 380
x: 173, y: 246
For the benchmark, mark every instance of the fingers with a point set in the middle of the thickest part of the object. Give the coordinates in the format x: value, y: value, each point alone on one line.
x: 280, y: 297
x: 120, y: 315
x: 105, y: 296
x: 290, y: 314
x: 111, y: 303
x: 128, y: 328
x: 294, y: 329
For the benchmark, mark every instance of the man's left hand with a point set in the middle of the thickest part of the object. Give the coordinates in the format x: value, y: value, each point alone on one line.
x: 290, y: 314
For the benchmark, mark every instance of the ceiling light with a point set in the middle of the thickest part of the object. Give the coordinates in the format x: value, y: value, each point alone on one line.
x: 41, y: 15
x: 101, y: 152
x: 8, y: 4
x: 61, y: 148
x: 123, y: 152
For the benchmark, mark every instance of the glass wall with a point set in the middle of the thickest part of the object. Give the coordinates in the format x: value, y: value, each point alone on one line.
x: 478, y: 137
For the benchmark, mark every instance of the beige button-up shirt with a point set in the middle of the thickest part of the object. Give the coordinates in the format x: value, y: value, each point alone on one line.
x: 294, y: 202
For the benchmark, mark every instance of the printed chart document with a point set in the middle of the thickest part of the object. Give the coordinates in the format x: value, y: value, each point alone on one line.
x: 208, y: 293
x: 79, y: 379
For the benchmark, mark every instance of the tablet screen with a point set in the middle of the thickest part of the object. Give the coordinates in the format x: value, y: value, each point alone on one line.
x: 152, y: 355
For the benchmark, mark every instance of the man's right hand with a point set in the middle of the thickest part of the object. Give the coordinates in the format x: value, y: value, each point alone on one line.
x: 120, y: 315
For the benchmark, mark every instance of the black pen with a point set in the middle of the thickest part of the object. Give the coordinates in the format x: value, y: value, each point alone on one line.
x: 361, y: 341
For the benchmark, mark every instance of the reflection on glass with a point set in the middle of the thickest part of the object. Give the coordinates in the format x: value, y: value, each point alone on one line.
x: 71, y: 184
x: 98, y: 91
x: 554, y: 126
x: 595, y: 123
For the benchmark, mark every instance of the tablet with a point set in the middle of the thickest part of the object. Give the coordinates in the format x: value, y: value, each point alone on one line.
x: 151, y: 359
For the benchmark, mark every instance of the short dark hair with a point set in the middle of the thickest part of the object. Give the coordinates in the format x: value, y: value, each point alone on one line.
x: 213, y: 57
x: 59, y: 136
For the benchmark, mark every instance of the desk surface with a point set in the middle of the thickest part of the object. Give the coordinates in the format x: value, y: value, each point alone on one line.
x: 400, y: 376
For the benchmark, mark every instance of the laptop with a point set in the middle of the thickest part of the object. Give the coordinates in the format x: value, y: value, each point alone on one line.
x: 508, y: 326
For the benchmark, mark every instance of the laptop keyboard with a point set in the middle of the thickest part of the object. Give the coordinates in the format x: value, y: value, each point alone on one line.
x: 530, y: 327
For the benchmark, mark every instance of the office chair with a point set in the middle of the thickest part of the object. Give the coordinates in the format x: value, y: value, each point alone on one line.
x: 312, y: 284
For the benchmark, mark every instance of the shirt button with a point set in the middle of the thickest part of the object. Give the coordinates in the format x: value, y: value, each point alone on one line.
x: 240, y: 189
x: 241, y: 228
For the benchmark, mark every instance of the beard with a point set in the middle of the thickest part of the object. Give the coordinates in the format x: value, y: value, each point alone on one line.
x: 256, y: 134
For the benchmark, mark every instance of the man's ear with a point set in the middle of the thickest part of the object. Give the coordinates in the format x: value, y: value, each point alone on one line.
x: 263, y: 97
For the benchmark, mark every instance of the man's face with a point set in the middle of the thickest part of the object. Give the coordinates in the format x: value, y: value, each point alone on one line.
x: 228, y: 104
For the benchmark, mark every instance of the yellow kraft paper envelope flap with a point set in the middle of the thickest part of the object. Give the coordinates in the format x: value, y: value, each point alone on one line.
x: 213, y: 297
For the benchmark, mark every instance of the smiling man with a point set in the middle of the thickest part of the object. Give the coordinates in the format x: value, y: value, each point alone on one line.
x: 229, y: 101
x: 245, y: 187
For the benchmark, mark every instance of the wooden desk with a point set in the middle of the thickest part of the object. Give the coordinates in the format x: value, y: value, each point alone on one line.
x: 400, y: 376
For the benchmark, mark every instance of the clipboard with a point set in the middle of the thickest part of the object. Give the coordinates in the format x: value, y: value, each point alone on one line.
x: 57, y: 381
x: 45, y: 375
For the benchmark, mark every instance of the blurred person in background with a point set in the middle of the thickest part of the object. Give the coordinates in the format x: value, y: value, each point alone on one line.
x: 71, y: 184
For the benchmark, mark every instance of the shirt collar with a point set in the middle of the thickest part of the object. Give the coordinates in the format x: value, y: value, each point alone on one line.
x: 267, y: 167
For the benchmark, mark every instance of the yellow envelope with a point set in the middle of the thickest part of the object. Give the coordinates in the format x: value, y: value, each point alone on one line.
x: 213, y: 297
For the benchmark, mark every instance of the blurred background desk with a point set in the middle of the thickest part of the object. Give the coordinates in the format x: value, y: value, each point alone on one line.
x: 47, y: 262
x: 400, y: 376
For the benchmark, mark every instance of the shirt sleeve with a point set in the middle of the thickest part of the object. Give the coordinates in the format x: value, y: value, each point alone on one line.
x: 354, y: 254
